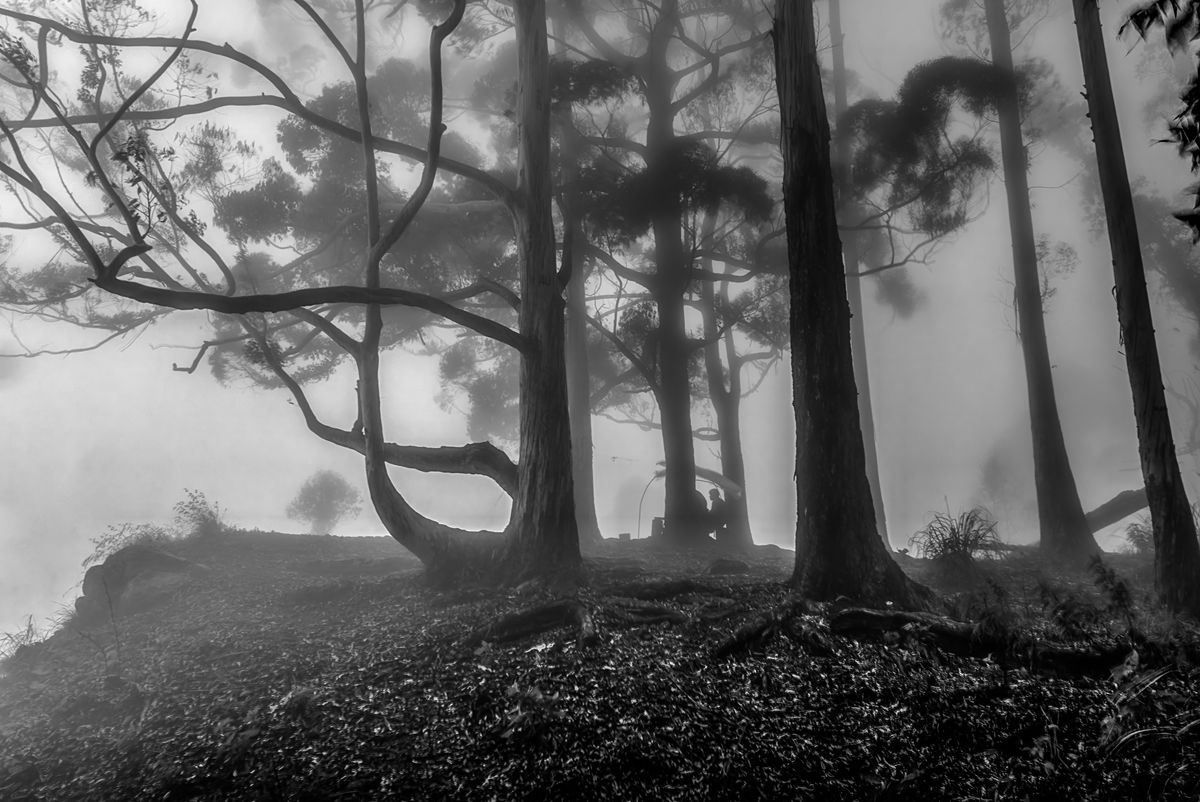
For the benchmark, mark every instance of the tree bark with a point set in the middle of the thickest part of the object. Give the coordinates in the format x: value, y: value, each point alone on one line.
x: 1064, y: 531
x: 725, y: 394
x: 579, y: 392
x: 684, y: 519
x: 578, y: 374
x: 1176, y: 552
x: 446, y: 551
x: 838, y: 550
x: 544, y: 538
x: 1122, y: 505
x: 851, y: 261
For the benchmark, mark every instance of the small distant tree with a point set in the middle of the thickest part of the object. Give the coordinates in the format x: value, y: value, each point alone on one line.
x: 324, y: 499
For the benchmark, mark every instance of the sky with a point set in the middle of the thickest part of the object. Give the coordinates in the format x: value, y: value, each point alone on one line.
x: 115, y: 435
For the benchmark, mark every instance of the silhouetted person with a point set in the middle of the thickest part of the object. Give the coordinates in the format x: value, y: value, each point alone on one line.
x: 718, y: 515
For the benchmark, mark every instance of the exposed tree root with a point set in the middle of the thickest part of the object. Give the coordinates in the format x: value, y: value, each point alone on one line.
x: 631, y: 613
x: 760, y: 631
x: 534, y: 621
x: 663, y: 589
x: 976, y: 640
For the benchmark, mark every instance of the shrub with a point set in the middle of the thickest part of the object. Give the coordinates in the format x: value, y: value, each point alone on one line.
x: 968, y: 534
x: 1139, y: 536
x: 196, y: 516
x: 27, y: 635
x: 324, y: 499
x: 1075, y: 616
x: 1117, y: 595
x: 118, y: 536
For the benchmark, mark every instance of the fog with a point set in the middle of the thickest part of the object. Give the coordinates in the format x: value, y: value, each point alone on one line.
x: 115, y: 435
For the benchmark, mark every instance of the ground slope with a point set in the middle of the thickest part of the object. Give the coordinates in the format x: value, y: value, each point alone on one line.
x: 327, y: 668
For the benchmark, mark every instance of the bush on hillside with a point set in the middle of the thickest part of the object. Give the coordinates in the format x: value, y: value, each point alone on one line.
x: 969, y: 534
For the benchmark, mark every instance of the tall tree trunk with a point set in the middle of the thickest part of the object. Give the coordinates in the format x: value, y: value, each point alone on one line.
x: 1176, y: 552
x: 1064, y: 530
x: 852, y: 261
x: 838, y: 550
x: 579, y: 389
x: 685, y: 519
x: 578, y: 373
x: 544, y: 537
x: 725, y: 393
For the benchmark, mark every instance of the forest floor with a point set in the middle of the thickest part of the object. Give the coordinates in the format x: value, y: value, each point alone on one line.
x: 326, y: 668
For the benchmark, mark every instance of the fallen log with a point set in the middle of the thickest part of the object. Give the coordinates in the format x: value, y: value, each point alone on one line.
x: 1122, y: 505
x: 968, y: 639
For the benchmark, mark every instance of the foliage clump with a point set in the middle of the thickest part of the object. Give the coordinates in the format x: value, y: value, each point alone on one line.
x: 27, y: 635
x: 195, y: 516
x: 118, y: 536
x: 1116, y: 591
x: 1139, y: 536
x: 324, y: 499
x: 969, y: 534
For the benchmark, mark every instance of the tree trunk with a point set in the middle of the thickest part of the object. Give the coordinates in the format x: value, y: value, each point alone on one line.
x: 838, y: 550
x: 544, y: 537
x: 578, y: 373
x: 1122, y: 505
x: 733, y: 460
x: 1176, y: 552
x: 685, y: 520
x: 579, y: 390
x: 851, y: 262
x: 725, y: 394
x: 1064, y: 531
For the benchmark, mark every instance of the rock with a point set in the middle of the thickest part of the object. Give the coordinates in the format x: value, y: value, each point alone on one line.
x: 20, y: 775
x: 94, y: 582
x: 146, y: 591
x: 135, y: 578
x: 728, y: 565
x: 89, y: 611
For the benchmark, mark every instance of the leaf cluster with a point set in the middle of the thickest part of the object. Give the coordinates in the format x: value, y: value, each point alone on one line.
x: 686, y: 176
x: 902, y: 145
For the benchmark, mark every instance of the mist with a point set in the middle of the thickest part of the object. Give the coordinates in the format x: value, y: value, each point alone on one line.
x: 114, y: 435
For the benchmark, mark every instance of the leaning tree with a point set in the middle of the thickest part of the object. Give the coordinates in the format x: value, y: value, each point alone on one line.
x: 106, y: 190
x: 1176, y: 552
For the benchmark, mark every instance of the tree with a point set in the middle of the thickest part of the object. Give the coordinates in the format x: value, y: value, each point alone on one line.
x: 121, y: 238
x: 906, y: 183
x: 1063, y: 528
x: 1176, y: 551
x: 324, y: 499
x: 651, y: 187
x: 851, y: 258
x: 838, y: 550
